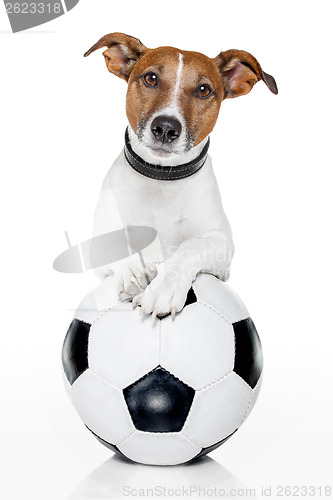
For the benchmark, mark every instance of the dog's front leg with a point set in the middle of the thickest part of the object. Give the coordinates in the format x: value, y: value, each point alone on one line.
x: 211, y: 253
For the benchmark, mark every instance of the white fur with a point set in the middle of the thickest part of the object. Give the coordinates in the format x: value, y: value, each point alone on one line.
x: 178, y: 76
x: 193, y: 232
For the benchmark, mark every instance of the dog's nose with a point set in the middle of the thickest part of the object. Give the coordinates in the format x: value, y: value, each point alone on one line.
x: 166, y: 128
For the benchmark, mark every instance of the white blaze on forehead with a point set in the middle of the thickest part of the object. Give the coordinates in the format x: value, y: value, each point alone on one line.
x: 178, y: 76
x: 172, y: 107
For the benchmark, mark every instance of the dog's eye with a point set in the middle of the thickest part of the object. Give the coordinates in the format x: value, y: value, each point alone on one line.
x: 203, y: 91
x: 150, y: 79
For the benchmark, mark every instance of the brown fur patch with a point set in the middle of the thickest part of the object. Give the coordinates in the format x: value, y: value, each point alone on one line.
x: 240, y: 70
x: 122, y: 53
x: 141, y: 101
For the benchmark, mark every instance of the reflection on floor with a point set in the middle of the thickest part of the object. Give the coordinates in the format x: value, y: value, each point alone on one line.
x: 119, y: 478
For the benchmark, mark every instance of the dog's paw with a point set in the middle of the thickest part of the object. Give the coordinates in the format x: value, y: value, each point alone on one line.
x: 132, y: 281
x: 163, y: 296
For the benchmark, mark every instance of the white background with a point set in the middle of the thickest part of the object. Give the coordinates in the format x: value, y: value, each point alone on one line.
x: 63, y: 119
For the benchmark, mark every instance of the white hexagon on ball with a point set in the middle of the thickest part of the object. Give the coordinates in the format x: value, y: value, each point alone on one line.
x: 115, y: 345
x: 198, y: 347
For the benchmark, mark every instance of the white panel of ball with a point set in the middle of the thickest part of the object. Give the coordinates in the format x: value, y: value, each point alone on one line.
x: 102, y: 407
x: 220, y: 296
x: 218, y: 410
x: 122, y: 347
x: 197, y: 347
x: 159, y: 448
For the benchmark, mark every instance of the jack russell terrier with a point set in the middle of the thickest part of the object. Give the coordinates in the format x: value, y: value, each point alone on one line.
x: 164, y: 177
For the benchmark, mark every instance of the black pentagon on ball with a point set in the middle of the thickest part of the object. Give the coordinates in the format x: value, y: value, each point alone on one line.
x: 75, y: 350
x: 191, y: 298
x: 248, y: 352
x: 159, y: 402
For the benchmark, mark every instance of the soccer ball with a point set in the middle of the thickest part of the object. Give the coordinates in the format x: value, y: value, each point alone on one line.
x: 168, y: 391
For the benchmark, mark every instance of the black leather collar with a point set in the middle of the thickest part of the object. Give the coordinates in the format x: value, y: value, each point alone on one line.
x: 166, y: 173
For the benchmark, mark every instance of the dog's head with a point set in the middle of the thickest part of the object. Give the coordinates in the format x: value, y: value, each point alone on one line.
x: 174, y: 96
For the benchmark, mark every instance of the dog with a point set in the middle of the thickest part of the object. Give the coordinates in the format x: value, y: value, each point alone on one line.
x: 164, y: 177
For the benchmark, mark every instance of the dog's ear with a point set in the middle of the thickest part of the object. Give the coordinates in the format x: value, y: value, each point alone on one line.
x: 123, y: 51
x: 240, y: 71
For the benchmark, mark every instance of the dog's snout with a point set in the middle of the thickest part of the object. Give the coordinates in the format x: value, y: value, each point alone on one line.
x: 166, y: 128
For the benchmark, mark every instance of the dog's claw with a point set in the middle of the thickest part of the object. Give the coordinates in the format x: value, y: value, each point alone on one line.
x: 173, y: 312
x: 135, y: 301
x: 154, y: 314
